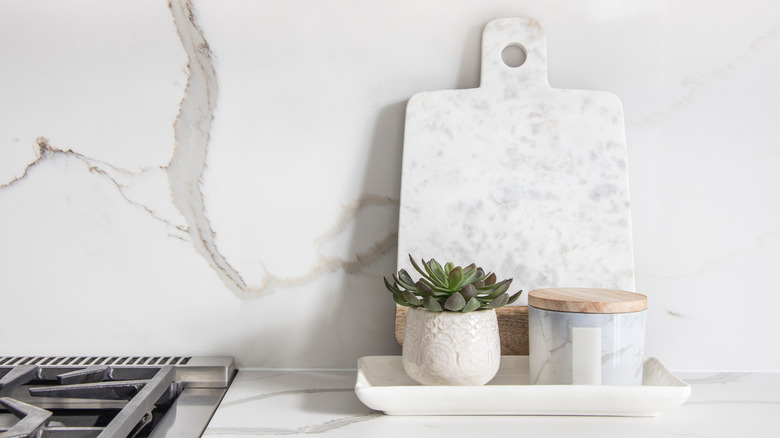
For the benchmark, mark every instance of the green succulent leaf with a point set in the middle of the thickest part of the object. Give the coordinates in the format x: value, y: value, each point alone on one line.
x: 405, y: 277
x: 400, y: 301
x: 449, y: 287
x: 437, y: 290
x: 500, y: 288
x: 441, y: 282
x: 390, y: 287
x: 500, y: 301
x: 455, y: 277
x: 411, y: 298
x: 469, y: 292
x: 403, y: 284
x: 417, y: 268
x: 438, y: 272
x: 514, y: 297
x: 455, y: 302
x: 432, y: 305
x: 469, y: 274
x: 424, y: 289
x: 472, y: 305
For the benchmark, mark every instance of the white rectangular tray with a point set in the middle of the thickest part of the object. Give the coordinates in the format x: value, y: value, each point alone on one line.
x: 382, y: 384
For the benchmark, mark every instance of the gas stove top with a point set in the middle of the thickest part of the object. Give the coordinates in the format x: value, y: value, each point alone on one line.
x: 110, y: 397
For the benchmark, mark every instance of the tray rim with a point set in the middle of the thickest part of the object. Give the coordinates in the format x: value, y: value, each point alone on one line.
x: 649, y: 400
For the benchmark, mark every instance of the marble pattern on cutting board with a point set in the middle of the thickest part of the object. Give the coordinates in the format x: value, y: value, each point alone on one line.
x: 525, y: 180
x: 278, y: 402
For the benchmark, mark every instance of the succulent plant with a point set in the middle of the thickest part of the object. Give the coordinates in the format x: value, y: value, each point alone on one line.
x: 450, y: 288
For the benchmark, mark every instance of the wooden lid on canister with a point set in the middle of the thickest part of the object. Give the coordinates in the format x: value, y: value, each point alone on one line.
x: 586, y: 300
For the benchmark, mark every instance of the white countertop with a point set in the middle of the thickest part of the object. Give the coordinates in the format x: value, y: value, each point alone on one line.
x: 284, y: 402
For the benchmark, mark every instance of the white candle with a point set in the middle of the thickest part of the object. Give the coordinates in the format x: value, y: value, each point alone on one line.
x: 586, y: 356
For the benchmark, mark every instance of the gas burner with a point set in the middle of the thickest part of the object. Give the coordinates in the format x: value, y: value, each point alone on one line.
x: 110, y: 397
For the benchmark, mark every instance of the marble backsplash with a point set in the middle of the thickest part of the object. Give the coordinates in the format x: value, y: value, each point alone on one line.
x: 223, y: 177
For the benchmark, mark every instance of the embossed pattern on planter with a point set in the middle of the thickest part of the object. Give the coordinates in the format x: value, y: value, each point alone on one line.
x: 451, y: 348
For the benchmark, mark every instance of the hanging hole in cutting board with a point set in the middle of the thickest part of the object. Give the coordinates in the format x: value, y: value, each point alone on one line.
x: 514, y: 55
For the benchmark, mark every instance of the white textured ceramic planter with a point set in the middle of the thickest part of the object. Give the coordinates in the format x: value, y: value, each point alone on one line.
x: 451, y: 348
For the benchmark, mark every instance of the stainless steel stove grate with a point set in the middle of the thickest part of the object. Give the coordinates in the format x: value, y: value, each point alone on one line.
x: 127, y: 396
x: 93, y: 360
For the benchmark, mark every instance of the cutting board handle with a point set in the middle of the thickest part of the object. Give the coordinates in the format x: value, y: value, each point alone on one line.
x: 514, y: 81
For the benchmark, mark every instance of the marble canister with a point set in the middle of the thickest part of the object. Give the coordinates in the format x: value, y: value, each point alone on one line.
x: 586, y: 336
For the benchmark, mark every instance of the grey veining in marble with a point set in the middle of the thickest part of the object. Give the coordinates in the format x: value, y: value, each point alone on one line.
x: 191, y: 129
x: 283, y: 403
x: 92, y: 92
x: 109, y: 180
x: 527, y: 180
x: 326, y: 399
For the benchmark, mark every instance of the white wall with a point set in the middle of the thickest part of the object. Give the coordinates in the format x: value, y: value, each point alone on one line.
x: 263, y: 233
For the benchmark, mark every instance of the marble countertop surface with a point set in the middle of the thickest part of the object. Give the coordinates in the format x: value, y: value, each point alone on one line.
x: 263, y: 402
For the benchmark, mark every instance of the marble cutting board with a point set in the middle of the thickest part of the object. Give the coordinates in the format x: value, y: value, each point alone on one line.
x: 525, y: 180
